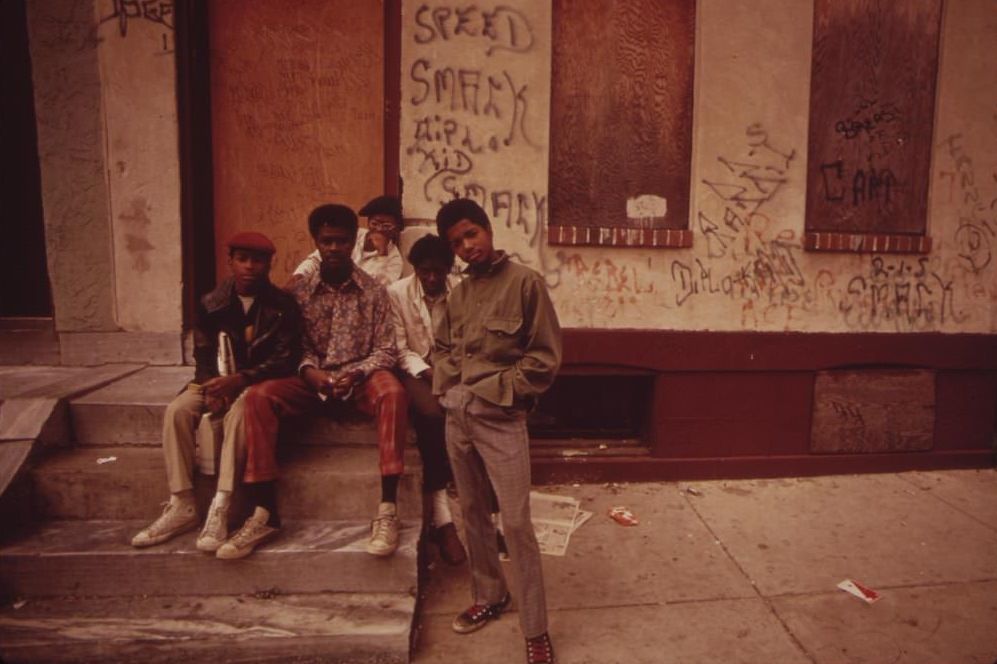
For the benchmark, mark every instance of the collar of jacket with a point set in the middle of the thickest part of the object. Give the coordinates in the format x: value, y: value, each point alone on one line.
x: 222, y: 296
x: 500, y: 259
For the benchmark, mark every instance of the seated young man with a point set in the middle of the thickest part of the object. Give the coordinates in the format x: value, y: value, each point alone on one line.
x: 263, y: 324
x: 376, y: 249
x: 349, y: 351
x: 417, y: 301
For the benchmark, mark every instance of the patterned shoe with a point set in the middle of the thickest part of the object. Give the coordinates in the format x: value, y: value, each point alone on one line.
x: 539, y: 650
x: 253, y: 533
x: 176, y: 518
x: 478, y: 615
x: 384, y: 531
x: 215, y: 530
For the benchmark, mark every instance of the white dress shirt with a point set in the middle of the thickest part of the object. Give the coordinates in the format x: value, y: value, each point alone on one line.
x: 412, y: 314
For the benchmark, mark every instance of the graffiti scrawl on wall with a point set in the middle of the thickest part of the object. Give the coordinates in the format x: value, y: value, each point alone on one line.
x: 475, y: 100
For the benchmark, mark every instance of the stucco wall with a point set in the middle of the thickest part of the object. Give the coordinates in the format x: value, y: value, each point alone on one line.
x: 105, y: 99
x: 66, y: 81
x: 475, y: 109
x: 104, y: 81
x: 751, y: 107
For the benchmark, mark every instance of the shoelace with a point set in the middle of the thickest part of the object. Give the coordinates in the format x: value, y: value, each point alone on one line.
x: 160, y: 523
x: 247, y: 532
x: 479, y: 611
x: 539, y: 647
x: 381, y: 525
x: 213, y: 524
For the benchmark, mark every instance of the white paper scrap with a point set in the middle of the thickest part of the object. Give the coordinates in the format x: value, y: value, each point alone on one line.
x: 867, y: 595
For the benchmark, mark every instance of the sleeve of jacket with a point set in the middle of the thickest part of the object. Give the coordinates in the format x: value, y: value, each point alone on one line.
x: 205, y: 346
x: 283, y: 361
x: 310, y: 265
x: 535, y: 371
x: 445, y: 368
x: 408, y: 359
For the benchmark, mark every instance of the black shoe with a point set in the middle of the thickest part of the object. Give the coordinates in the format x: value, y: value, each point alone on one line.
x: 451, y: 549
x: 539, y: 650
x: 478, y: 615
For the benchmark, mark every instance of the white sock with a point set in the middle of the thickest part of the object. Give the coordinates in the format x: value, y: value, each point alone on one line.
x: 222, y: 499
x: 441, y: 509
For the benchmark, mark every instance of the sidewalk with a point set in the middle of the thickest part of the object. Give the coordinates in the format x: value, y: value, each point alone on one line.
x: 746, y: 571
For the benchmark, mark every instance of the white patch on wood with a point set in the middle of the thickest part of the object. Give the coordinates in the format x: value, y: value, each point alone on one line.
x: 647, y: 206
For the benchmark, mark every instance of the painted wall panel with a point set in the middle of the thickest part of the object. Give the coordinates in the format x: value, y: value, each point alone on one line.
x: 474, y: 114
x: 138, y: 86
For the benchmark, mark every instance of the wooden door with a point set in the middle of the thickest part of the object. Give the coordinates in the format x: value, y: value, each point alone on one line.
x: 297, y: 108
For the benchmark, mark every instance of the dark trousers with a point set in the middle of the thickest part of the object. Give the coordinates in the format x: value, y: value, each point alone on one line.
x: 429, y: 422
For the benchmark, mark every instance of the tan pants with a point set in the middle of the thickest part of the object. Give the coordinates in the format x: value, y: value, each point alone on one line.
x: 179, y: 426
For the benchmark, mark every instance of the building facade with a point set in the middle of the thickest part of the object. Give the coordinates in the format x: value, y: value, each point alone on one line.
x: 768, y: 228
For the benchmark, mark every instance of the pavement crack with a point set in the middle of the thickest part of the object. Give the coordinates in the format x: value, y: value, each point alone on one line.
x: 944, y: 500
x: 768, y: 604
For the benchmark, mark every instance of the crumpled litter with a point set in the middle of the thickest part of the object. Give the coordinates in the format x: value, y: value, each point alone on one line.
x: 623, y: 516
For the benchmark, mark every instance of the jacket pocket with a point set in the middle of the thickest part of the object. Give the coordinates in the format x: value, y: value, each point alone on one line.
x: 501, y: 341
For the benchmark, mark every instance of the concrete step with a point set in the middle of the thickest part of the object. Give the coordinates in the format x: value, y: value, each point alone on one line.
x: 58, y: 382
x: 95, y: 558
x: 315, y: 483
x: 130, y: 412
x: 327, y: 627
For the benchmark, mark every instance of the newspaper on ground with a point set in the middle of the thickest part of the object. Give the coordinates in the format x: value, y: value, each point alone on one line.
x: 554, y: 519
x: 580, y: 520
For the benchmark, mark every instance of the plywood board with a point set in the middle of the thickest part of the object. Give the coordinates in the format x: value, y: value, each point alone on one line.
x: 873, y: 411
x: 297, y: 116
x: 872, y: 99
x: 621, y: 113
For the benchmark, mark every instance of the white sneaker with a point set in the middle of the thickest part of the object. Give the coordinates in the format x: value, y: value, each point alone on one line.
x: 384, y: 531
x: 253, y: 533
x: 215, y: 530
x: 177, y: 517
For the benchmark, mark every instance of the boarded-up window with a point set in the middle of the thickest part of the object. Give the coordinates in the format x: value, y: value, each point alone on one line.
x: 621, y: 122
x: 872, y: 97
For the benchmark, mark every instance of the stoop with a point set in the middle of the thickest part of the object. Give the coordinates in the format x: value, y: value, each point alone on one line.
x: 313, y: 593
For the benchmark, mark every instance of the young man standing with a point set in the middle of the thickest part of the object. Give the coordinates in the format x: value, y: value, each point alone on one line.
x: 497, y: 349
x: 416, y: 302
x: 263, y: 325
x: 349, y: 351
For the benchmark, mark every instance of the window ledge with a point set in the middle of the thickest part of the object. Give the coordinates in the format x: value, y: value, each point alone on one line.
x: 881, y: 243
x: 608, y: 236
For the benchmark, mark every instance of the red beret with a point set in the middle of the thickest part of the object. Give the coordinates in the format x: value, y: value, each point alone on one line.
x: 252, y: 241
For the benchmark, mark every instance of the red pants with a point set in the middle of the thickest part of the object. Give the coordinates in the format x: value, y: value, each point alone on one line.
x: 381, y: 395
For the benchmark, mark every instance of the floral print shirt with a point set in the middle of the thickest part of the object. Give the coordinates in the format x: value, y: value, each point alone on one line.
x: 347, y: 327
